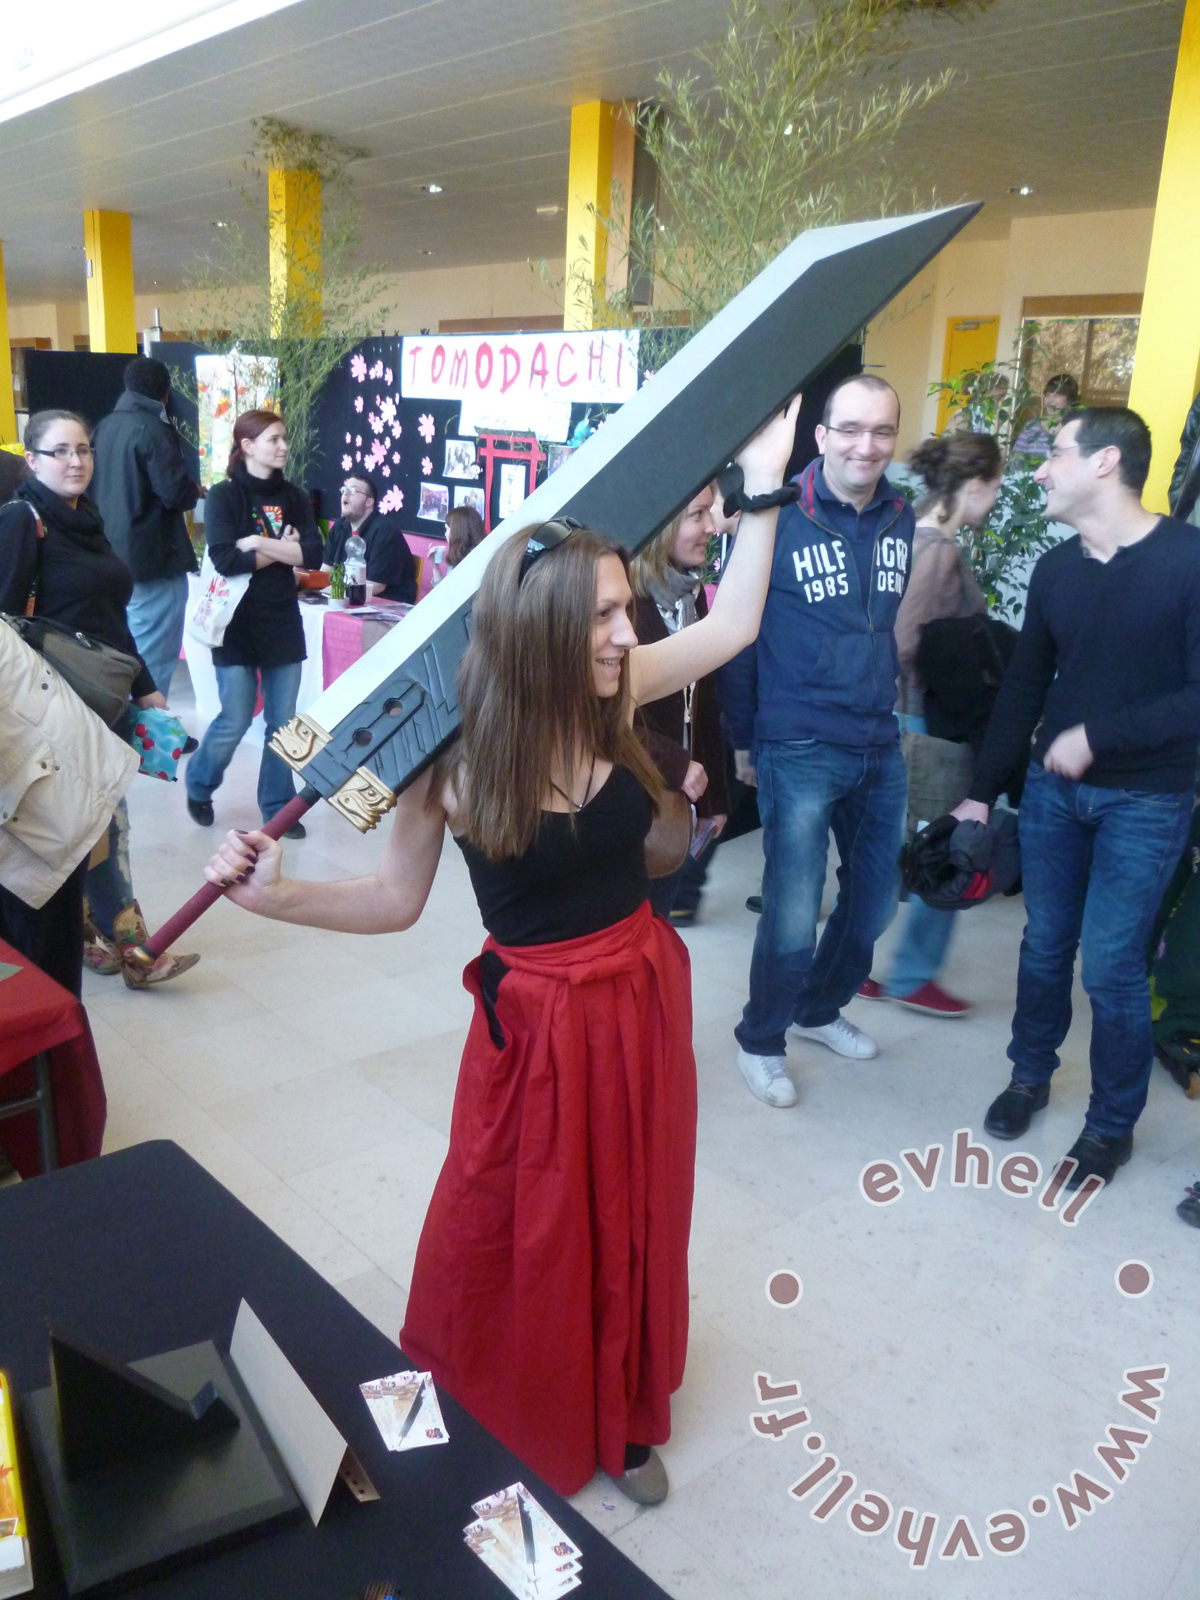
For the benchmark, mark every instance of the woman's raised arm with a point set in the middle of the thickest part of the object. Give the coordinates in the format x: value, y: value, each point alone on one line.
x: 664, y: 667
x: 248, y: 867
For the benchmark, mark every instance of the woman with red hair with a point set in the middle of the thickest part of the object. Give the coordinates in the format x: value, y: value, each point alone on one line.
x: 256, y: 522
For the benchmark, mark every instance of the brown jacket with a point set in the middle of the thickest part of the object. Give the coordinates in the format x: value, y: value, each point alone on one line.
x: 660, y: 723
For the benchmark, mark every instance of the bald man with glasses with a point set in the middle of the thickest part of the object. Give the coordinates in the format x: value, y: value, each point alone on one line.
x: 811, y: 709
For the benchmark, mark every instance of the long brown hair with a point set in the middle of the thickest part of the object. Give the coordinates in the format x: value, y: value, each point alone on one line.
x: 527, y: 695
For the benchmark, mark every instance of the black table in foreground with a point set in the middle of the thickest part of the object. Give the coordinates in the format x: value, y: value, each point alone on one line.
x: 143, y: 1251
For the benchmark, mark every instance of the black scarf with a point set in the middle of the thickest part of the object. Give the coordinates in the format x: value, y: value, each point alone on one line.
x: 80, y: 523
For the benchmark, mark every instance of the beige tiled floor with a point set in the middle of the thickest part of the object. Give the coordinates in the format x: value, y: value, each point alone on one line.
x: 960, y: 1352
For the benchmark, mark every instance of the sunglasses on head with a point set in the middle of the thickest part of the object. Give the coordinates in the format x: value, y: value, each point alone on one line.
x: 544, y: 539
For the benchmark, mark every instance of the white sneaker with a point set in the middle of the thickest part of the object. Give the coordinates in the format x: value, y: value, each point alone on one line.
x: 842, y: 1037
x: 767, y: 1078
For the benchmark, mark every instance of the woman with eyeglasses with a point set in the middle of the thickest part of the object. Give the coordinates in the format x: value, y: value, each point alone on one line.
x: 256, y: 522
x: 550, y: 1291
x: 58, y: 564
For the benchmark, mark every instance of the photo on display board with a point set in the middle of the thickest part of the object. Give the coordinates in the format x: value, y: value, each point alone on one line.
x: 514, y: 479
x: 466, y: 494
x: 556, y: 454
x: 460, y: 459
x: 435, y: 502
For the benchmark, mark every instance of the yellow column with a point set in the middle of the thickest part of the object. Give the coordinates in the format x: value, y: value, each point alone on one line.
x: 589, y: 183
x: 108, y: 245
x: 8, y: 415
x: 1166, y: 368
x: 294, y: 214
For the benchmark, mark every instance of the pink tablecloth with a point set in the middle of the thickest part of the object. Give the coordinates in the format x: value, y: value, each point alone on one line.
x: 342, y: 637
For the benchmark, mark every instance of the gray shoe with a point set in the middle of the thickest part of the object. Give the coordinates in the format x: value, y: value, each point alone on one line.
x: 646, y: 1484
x: 767, y: 1078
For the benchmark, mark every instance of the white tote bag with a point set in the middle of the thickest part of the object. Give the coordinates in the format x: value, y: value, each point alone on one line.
x: 211, y: 612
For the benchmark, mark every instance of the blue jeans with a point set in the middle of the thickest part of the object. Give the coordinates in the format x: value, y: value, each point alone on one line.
x: 155, y: 616
x: 108, y: 888
x: 1095, y: 864
x: 922, y: 949
x: 238, y: 687
x: 805, y: 788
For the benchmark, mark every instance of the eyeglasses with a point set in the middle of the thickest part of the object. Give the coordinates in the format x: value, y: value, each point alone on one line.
x: 852, y: 431
x: 1059, y: 450
x: 355, y: 488
x: 66, y: 452
x: 544, y: 539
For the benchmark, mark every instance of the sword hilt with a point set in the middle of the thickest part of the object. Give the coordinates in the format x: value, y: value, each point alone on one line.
x: 211, y: 892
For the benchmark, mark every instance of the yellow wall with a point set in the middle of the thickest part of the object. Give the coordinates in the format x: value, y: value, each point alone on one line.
x: 1101, y: 252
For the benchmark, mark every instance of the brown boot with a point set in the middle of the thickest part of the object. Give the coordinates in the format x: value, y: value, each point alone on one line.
x: 139, y: 968
x: 100, y: 955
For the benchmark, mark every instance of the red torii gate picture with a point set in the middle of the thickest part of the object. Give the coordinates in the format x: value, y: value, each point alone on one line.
x: 493, y: 447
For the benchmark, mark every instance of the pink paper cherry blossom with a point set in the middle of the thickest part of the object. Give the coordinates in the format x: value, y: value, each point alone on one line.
x: 358, y: 402
x: 358, y: 368
x: 387, y: 376
x: 425, y: 427
x: 347, y: 463
x: 426, y: 465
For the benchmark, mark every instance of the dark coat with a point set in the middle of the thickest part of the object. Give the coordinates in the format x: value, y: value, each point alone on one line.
x: 265, y: 630
x: 75, y: 575
x: 389, y: 560
x: 1185, y: 480
x: 142, y: 489
x: 660, y: 723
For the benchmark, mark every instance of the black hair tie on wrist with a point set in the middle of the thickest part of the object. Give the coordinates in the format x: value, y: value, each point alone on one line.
x: 731, y: 484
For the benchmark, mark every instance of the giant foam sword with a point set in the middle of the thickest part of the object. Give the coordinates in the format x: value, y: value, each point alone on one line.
x: 374, y: 730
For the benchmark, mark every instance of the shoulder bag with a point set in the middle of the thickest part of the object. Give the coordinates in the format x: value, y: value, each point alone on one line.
x: 101, y: 676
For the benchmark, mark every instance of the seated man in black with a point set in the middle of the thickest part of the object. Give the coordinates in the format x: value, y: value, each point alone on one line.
x: 391, y: 570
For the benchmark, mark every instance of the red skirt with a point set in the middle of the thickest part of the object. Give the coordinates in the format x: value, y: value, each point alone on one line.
x: 550, y: 1292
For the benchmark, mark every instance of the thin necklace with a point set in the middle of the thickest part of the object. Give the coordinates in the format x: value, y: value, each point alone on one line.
x: 586, y: 792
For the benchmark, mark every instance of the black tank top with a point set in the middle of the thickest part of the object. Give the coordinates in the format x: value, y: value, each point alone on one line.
x: 572, y: 880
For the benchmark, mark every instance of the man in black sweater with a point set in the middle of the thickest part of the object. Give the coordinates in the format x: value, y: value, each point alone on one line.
x: 1106, y: 681
x: 391, y: 570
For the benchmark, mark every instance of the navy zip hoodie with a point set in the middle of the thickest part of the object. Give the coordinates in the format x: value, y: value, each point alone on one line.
x: 824, y: 663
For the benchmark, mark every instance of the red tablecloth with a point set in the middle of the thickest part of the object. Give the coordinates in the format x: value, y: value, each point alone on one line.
x: 37, y: 1014
x: 342, y: 641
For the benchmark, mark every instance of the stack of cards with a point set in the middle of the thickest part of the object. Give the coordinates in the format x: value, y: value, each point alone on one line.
x: 406, y: 1410
x: 528, y: 1552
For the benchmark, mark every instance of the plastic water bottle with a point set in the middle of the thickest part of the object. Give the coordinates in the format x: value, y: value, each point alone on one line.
x: 355, y: 559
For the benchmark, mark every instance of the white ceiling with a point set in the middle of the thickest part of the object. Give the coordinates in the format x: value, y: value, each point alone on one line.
x: 1070, y: 96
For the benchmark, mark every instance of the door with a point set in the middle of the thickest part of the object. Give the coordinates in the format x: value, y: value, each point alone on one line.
x: 970, y: 341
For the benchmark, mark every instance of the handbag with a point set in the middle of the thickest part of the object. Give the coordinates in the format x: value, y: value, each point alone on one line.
x: 212, y: 611
x: 100, y: 675
x: 670, y: 836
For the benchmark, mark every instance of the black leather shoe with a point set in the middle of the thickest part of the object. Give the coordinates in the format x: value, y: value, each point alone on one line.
x: 201, y: 811
x: 296, y: 831
x: 1098, y: 1156
x: 754, y: 903
x: 1010, y: 1113
x: 190, y: 746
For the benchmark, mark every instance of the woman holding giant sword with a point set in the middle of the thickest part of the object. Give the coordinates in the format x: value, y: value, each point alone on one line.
x: 549, y: 1294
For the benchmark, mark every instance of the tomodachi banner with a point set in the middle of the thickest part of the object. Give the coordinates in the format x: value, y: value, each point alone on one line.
x: 590, y: 366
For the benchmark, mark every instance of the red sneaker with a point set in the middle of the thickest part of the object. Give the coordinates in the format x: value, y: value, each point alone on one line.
x: 933, y: 1001
x: 868, y: 989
